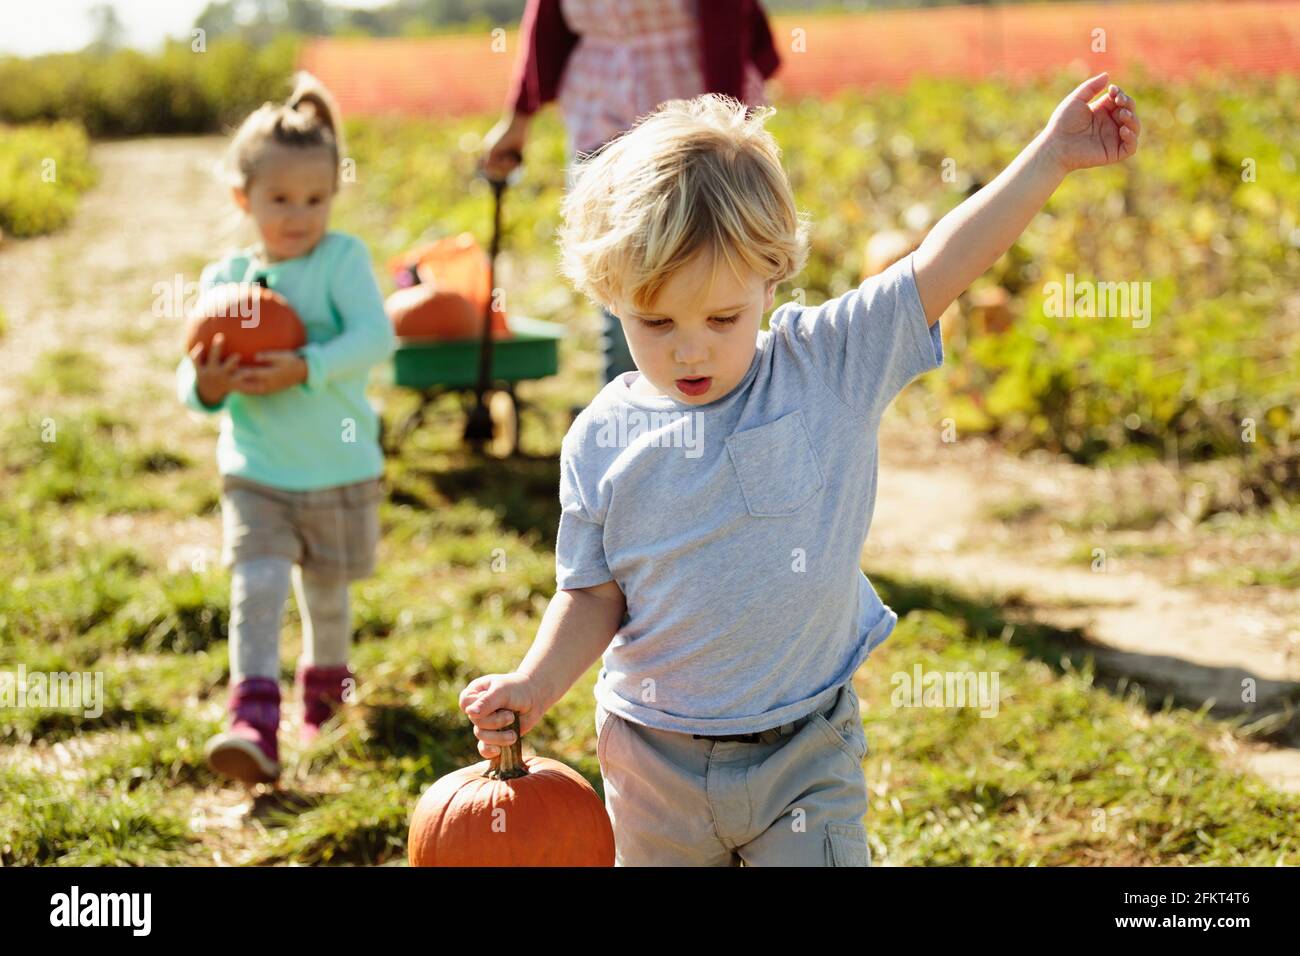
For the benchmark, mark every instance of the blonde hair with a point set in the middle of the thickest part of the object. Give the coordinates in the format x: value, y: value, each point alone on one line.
x: 698, y: 174
x: 308, y: 118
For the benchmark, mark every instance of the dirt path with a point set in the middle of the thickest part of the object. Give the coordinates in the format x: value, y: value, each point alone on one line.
x: 1199, y: 641
x: 157, y: 215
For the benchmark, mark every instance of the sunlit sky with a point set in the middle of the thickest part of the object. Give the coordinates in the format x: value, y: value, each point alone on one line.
x: 28, y: 27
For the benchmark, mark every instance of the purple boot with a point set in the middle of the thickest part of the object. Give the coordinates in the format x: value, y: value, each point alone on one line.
x: 323, y: 690
x: 250, y: 751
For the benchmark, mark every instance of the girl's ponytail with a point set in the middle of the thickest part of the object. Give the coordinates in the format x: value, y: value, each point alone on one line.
x: 308, y: 118
x: 310, y: 93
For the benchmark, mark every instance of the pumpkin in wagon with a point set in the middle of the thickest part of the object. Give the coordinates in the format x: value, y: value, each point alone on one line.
x: 445, y: 290
x: 251, y: 317
x: 511, y: 811
x: 426, y: 312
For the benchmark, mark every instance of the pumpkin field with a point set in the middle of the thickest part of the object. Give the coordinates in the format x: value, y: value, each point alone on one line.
x: 1103, y: 511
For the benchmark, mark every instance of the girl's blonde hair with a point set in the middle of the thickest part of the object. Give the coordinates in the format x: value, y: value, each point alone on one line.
x: 698, y: 174
x: 308, y: 118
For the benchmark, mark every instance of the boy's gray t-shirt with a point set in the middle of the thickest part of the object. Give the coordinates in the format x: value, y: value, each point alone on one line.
x: 735, y: 529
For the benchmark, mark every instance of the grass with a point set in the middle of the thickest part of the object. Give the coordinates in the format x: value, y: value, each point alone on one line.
x: 1083, y: 552
x: 1018, y: 508
x: 138, y: 332
x: 1066, y: 774
x: 1281, y: 517
x: 1074, y: 769
x: 66, y: 371
x: 1077, y: 767
x: 90, y: 459
x: 1284, y: 575
x: 1128, y: 513
x: 1278, y: 520
x: 45, y: 822
x: 44, y: 168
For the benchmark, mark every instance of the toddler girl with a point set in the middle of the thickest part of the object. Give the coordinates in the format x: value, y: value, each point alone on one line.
x: 298, y: 452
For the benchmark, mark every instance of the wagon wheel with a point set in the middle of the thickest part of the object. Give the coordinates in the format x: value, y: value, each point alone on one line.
x: 505, y: 424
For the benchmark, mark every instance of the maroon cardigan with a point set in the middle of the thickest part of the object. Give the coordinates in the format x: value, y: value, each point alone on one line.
x: 731, y: 32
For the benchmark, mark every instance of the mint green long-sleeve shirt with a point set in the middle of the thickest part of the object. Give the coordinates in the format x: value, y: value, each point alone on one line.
x: 322, y: 432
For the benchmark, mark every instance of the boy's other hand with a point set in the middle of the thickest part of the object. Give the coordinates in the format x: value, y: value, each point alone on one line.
x: 488, y: 701
x: 1082, y: 134
x: 285, y: 368
x: 214, y: 376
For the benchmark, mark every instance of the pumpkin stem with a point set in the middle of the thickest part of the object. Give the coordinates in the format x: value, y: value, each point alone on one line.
x: 509, y: 763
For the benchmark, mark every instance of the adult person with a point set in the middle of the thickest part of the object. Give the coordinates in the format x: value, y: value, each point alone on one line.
x: 608, y: 62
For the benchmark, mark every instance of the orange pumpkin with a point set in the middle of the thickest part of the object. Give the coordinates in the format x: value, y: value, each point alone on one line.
x: 251, y: 317
x: 454, y: 265
x: 424, y: 311
x: 511, y: 811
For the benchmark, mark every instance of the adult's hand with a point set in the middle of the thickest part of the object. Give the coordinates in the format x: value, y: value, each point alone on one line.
x: 503, y: 146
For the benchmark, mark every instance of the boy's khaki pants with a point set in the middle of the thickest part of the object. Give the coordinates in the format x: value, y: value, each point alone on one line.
x: 800, y: 800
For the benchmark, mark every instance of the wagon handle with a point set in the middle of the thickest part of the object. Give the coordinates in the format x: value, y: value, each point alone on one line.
x: 478, y: 426
x: 511, y: 177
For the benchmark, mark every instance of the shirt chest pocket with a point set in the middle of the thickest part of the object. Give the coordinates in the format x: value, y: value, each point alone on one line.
x: 777, y: 466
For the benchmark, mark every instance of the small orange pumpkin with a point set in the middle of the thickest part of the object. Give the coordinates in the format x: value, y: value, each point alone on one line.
x: 423, y: 311
x: 251, y: 317
x: 511, y: 811
x: 454, y: 265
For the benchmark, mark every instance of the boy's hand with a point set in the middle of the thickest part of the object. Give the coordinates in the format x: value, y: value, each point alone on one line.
x: 214, y: 378
x: 488, y: 701
x: 1082, y: 134
x: 285, y: 369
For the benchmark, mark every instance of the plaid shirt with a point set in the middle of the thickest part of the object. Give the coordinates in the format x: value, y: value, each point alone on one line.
x: 632, y: 56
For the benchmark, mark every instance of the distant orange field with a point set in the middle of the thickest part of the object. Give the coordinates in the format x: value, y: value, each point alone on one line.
x: 460, y: 75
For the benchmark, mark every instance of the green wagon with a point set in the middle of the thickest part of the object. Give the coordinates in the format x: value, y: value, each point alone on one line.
x: 487, y: 366
x: 434, y: 367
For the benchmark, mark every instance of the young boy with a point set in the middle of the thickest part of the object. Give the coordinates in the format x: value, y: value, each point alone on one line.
x: 715, y: 502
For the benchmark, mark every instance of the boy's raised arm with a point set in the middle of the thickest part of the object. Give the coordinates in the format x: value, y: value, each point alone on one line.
x: 967, y: 241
